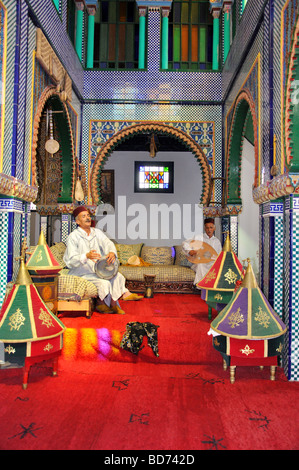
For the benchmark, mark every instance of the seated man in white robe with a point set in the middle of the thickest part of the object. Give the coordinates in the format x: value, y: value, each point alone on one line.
x: 84, y: 247
x: 208, y: 237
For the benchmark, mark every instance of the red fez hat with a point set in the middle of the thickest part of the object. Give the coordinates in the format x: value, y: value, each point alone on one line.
x: 209, y: 220
x: 78, y: 210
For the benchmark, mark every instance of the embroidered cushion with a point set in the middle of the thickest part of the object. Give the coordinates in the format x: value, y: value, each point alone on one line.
x: 124, y: 252
x: 180, y: 257
x: 157, y: 254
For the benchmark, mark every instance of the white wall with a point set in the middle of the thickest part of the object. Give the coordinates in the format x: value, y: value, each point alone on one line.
x: 158, y: 219
x: 248, y: 233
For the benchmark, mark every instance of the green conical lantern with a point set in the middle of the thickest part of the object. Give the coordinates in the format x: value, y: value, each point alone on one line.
x: 42, y: 260
x: 248, y: 315
x: 218, y: 285
x: 28, y: 328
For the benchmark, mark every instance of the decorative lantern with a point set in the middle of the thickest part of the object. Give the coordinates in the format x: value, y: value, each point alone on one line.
x: 29, y: 330
x: 248, y: 331
x: 218, y: 285
x: 44, y: 269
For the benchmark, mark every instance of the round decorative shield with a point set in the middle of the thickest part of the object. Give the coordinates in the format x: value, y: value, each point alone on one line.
x: 204, y: 252
x: 52, y: 146
x: 104, y: 270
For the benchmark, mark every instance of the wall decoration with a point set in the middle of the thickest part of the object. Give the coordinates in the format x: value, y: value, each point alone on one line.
x: 107, y: 187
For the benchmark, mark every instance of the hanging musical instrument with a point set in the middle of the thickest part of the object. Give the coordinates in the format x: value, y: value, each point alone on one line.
x: 52, y: 146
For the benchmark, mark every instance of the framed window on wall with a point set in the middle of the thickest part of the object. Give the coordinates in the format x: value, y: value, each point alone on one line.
x: 107, y: 187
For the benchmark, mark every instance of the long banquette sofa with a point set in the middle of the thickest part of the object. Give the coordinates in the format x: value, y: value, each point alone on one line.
x: 169, y: 265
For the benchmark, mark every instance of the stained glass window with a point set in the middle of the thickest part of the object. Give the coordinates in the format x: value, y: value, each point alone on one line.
x: 150, y: 177
x: 190, y: 35
x: 116, y: 35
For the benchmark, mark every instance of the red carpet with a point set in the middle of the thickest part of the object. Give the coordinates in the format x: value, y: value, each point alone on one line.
x: 105, y: 398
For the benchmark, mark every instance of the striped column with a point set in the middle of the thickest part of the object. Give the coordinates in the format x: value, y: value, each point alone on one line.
x: 291, y: 287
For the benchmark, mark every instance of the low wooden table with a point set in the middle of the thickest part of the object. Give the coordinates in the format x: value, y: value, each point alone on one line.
x: 73, y: 306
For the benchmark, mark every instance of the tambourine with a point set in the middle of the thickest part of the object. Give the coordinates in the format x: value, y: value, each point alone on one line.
x: 205, y: 253
x: 104, y: 270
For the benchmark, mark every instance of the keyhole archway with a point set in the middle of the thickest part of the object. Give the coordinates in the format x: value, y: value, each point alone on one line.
x: 61, y: 191
x: 244, y: 114
x: 242, y: 176
x: 144, y: 128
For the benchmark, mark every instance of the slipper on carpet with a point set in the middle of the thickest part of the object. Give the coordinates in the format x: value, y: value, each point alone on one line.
x: 133, y: 297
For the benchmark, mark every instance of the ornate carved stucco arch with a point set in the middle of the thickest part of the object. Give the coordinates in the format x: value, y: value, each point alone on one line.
x: 291, y: 107
x: 243, y: 105
x: 68, y: 150
x: 146, y: 127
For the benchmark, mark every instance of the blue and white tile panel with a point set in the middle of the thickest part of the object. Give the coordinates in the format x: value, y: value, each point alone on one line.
x: 152, y: 84
x: 291, y: 351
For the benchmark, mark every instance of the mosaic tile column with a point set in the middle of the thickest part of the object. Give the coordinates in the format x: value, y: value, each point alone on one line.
x: 66, y: 226
x: 44, y: 225
x: 234, y: 233
x: 225, y: 227
x: 291, y: 287
x: 4, y: 251
x: 273, y: 254
x: 153, y: 46
x: 11, y: 211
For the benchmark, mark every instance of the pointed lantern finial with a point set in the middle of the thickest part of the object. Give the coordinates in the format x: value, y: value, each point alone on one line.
x: 23, y: 277
x: 42, y: 239
x: 249, y: 280
x: 227, y: 244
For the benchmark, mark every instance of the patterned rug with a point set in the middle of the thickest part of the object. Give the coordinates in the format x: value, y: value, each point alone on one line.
x: 107, y: 398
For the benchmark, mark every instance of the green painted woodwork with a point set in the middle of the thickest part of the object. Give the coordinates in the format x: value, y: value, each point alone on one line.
x: 104, y: 41
x: 177, y: 43
x: 165, y: 24
x: 216, y: 40
x: 226, y: 47
x: 141, y: 50
x: 56, y: 3
x: 90, y: 42
x: 202, y: 44
x: 79, y: 32
x: 235, y: 153
x: 249, y: 131
x: 66, y: 150
x: 294, y: 163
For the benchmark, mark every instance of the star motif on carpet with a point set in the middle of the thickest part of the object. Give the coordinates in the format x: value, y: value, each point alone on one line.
x: 215, y: 443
